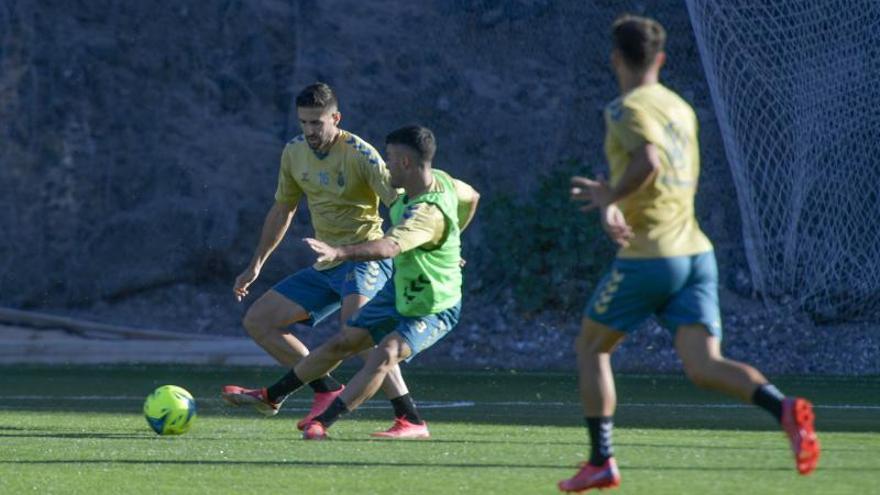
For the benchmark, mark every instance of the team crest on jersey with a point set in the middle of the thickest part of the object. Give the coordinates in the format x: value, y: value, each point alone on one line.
x: 324, y: 178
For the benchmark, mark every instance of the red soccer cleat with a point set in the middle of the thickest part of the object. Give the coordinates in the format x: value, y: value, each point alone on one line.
x: 239, y: 396
x: 402, y: 428
x: 321, y: 402
x: 604, y: 476
x: 797, y: 421
x: 314, y: 430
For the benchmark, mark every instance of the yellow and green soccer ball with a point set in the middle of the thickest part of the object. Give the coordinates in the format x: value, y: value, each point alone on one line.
x: 170, y: 410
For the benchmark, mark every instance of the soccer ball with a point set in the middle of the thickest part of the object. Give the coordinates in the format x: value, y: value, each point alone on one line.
x: 170, y: 410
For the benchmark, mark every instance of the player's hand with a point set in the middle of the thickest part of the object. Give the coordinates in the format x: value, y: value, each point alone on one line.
x: 243, y: 281
x: 595, y: 193
x: 614, y: 224
x: 326, y: 253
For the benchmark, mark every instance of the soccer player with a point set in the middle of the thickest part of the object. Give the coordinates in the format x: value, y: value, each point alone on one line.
x: 665, y: 265
x: 421, y: 303
x: 343, y: 179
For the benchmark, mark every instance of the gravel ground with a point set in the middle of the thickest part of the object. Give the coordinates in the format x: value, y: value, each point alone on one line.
x: 495, y: 336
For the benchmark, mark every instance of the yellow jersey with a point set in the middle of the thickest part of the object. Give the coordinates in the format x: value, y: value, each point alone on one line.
x: 661, y: 213
x: 342, y: 187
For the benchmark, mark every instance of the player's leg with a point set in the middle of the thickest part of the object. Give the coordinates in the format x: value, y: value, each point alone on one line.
x: 363, y: 385
x: 625, y: 296
x: 304, y: 297
x: 700, y: 354
x: 695, y: 314
x: 380, y: 361
x: 366, y: 281
x: 266, y: 321
x: 400, y: 338
x: 407, y: 419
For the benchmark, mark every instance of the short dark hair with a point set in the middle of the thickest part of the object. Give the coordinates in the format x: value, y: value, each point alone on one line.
x: 419, y: 139
x: 638, y: 39
x: 317, y: 95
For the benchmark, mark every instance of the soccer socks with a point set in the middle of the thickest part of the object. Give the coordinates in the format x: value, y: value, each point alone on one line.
x: 336, y: 409
x: 769, y: 397
x: 325, y: 384
x: 290, y: 383
x: 600, y: 439
x: 404, y: 407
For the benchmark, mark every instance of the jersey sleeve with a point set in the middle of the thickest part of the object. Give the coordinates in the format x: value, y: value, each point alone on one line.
x: 423, y: 223
x: 466, y: 197
x: 375, y: 172
x: 288, y: 191
x: 631, y: 127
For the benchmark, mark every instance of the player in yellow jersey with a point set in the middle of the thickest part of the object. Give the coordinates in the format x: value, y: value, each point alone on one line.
x: 421, y: 303
x: 665, y: 265
x: 343, y: 180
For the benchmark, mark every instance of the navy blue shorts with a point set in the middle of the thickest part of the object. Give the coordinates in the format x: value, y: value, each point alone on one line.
x: 380, y: 318
x: 680, y: 290
x: 320, y: 292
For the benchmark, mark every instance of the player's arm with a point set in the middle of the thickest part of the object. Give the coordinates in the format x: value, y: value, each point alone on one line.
x: 275, y: 225
x: 632, y: 130
x: 468, y: 198
x: 644, y: 164
x: 365, y: 251
x: 423, y: 224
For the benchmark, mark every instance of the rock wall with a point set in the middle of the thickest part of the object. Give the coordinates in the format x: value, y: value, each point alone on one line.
x: 139, y: 141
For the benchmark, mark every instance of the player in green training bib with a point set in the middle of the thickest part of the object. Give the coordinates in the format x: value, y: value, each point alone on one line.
x: 342, y: 179
x: 422, y: 302
x: 665, y: 265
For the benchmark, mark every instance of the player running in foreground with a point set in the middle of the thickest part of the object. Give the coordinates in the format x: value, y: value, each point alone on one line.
x: 666, y: 265
x: 421, y: 303
x: 343, y: 179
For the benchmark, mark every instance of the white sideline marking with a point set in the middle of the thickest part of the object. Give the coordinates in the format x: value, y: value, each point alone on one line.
x: 429, y: 404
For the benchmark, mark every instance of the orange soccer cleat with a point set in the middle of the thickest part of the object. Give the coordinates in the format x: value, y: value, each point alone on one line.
x: 321, y: 402
x: 797, y: 421
x: 402, y: 428
x: 589, y: 476
x: 240, y: 396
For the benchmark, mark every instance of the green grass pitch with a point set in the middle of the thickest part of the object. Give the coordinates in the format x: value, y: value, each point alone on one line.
x: 80, y: 430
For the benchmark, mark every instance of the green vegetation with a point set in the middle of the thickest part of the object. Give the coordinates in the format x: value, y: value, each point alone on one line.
x: 542, y: 247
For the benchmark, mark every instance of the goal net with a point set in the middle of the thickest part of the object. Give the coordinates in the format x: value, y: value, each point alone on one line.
x: 795, y: 89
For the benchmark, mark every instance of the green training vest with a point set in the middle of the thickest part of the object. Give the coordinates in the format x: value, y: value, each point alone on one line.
x: 429, y: 281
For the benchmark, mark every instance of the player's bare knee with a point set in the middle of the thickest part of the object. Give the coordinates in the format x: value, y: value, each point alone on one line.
x: 386, y: 356
x: 254, y: 324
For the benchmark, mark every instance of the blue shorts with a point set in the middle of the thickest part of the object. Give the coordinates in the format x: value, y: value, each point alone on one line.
x: 680, y: 290
x: 321, y: 292
x: 380, y: 318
